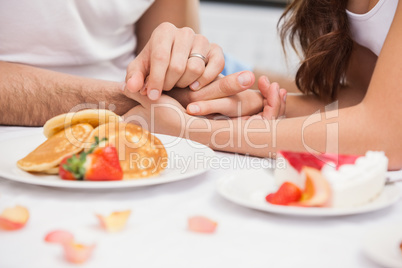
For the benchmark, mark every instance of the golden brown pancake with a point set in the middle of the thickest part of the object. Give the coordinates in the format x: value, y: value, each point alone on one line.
x: 93, y: 117
x: 141, y: 154
x: 51, y: 171
x: 49, y: 154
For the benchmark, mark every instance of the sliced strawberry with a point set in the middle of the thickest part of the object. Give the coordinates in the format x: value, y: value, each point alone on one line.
x: 72, y: 168
x: 97, y: 164
x: 317, y: 192
x: 103, y: 164
x: 286, y: 194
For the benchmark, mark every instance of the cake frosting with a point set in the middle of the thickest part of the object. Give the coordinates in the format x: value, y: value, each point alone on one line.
x: 354, y: 180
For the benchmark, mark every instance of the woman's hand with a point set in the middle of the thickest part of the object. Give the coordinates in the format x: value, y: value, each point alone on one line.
x: 166, y: 62
x: 230, y: 96
x: 227, y: 95
x: 274, y: 99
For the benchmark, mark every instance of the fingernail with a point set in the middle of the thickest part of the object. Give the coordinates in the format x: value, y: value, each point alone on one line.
x: 192, y: 108
x: 244, y: 79
x: 284, y: 97
x: 153, y: 94
x: 266, y: 79
x: 195, y: 85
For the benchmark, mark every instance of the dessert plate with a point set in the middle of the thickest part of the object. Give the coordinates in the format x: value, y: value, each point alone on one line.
x: 186, y: 159
x: 249, y: 188
x: 381, y: 245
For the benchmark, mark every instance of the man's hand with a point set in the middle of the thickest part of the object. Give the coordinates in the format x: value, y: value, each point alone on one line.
x: 171, y: 58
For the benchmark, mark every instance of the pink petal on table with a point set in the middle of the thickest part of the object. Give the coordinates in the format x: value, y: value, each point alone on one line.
x: 77, y: 253
x: 114, y: 222
x: 14, y: 218
x: 201, y: 224
x: 59, y: 236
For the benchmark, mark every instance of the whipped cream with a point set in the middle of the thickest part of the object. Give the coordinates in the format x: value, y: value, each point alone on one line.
x: 359, y: 183
x: 351, y: 184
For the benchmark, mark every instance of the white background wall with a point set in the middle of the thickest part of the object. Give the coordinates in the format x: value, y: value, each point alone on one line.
x: 247, y: 32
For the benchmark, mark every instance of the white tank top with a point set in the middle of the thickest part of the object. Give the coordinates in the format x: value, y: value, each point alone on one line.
x: 371, y: 29
x: 92, y: 38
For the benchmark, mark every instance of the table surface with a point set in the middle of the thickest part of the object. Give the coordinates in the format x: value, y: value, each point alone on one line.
x: 157, y: 235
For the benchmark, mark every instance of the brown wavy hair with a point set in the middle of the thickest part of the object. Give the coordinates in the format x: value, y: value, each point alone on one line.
x: 319, y: 32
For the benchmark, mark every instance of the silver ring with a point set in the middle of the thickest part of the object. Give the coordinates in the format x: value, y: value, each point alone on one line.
x: 198, y: 55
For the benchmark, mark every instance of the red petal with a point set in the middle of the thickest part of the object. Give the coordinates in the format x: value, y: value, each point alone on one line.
x: 14, y: 218
x: 77, y: 253
x: 201, y: 224
x: 114, y: 222
x: 59, y: 236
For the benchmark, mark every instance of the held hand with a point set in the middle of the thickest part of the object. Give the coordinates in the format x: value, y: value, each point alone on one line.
x: 174, y: 57
x: 274, y: 99
x: 227, y: 95
x: 164, y: 115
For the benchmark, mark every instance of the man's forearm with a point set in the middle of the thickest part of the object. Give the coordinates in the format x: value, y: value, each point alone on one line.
x: 29, y: 96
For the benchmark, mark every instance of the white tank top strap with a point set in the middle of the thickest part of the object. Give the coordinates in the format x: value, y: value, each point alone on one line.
x: 371, y: 29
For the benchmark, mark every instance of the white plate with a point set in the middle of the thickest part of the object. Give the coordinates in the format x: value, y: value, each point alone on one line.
x: 249, y: 188
x: 382, y: 245
x: 185, y: 159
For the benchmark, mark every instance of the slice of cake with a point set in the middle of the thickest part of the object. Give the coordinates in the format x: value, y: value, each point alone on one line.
x: 353, y: 180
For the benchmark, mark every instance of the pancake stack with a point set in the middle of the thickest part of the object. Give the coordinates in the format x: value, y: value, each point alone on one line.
x: 94, y: 117
x: 47, y: 157
x: 141, y: 154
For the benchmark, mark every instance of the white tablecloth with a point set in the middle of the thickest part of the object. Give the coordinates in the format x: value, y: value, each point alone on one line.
x: 157, y: 235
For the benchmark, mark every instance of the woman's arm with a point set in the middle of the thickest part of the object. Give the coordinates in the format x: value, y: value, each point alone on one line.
x: 302, y: 105
x: 249, y: 102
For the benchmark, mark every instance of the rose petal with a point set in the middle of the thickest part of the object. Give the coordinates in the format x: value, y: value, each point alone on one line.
x: 114, y: 222
x: 77, y: 253
x: 14, y: 218
x: 59, y: 236
x: 201, y: 224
